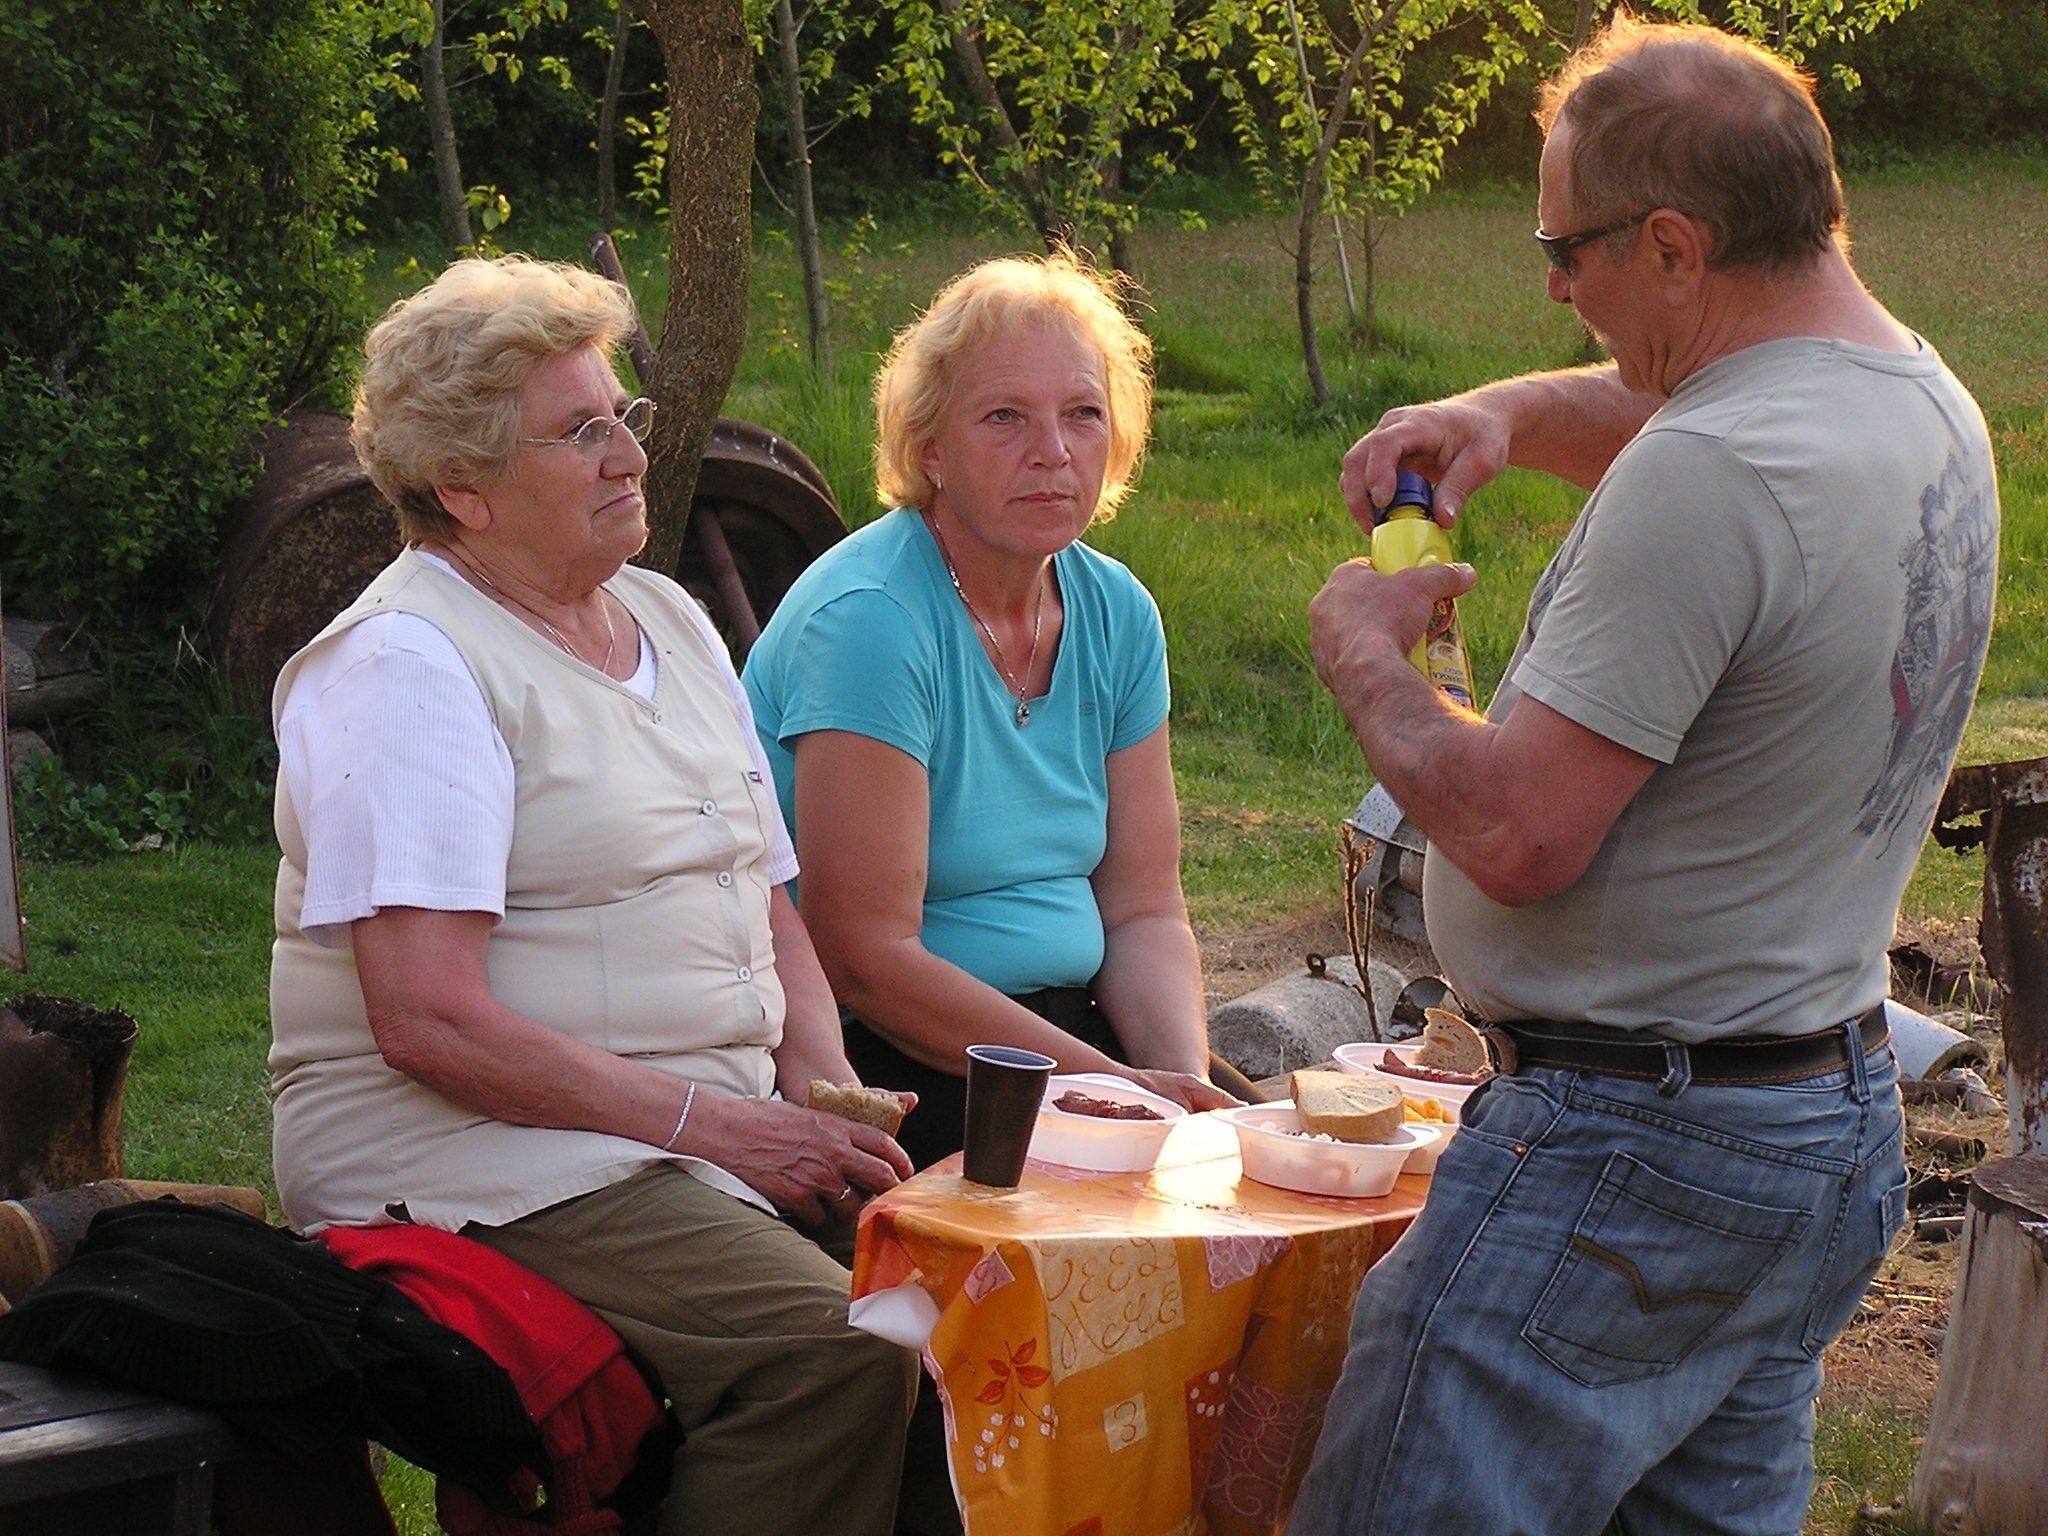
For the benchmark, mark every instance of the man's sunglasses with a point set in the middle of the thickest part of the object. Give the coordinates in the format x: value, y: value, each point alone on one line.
x: 1559, y: 248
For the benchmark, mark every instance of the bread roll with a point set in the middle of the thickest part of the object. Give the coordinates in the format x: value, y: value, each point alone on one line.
x: 1449, y: 1044
x: 851, y: 1101
x: 1347, y: 1107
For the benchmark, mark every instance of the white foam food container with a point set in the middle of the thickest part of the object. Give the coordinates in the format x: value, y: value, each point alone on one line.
x: 1423, y: 1159
x: 1365, y: 1056
x: 1274, y: 1151
x: 1089, y: 1141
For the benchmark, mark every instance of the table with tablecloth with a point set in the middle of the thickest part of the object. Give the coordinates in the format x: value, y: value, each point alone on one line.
x: 1134, y: 1354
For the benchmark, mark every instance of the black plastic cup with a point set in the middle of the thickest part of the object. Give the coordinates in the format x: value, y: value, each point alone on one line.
x: 1005, y: 1085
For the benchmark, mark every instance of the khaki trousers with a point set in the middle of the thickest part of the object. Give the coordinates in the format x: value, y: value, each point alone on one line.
x: 793, y: 1420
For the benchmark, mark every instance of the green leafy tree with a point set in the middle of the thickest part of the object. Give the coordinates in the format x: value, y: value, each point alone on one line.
x: 1792, y: 29
x: 1035, y: 104
x: 1349, y: 112
x: 804, y: 66
x: 176, y: 181
x: 445, y: 61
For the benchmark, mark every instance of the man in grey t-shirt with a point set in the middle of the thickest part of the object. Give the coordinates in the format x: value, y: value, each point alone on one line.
x: 1668, y: 861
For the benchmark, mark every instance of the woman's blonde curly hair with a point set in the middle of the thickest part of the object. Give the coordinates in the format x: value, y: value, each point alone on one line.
x: 438, y: 403
x: 1004, y: 297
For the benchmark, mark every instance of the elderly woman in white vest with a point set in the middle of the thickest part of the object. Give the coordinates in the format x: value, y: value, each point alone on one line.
x: 536, y: 977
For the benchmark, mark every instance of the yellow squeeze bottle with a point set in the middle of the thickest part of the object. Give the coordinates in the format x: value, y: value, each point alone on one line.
x: 1404, y: 535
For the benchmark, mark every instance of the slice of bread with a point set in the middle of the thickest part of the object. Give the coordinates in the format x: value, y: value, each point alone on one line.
x: 1347, y: 1107
x: 1449, y: 1044
x: 850, y: 1101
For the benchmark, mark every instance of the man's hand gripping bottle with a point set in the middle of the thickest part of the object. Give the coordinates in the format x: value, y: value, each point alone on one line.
x: 1405, y: 535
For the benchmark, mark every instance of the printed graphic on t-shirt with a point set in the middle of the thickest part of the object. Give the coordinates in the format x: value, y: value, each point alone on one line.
x: 1951, y: 577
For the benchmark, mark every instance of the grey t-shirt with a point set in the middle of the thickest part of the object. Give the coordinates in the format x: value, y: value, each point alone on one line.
x: 1782, y: 592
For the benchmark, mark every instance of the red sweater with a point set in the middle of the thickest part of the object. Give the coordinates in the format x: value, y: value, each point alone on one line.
x: 571, y: 1370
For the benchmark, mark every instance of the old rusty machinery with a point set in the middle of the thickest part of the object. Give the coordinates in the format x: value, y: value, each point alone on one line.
x: 2004, y: 807
x: 314, y: 532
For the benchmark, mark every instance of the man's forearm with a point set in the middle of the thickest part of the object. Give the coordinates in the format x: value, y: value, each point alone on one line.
x: 1570, y: 423
x: 1429, y: 753
x: 1521, y: 805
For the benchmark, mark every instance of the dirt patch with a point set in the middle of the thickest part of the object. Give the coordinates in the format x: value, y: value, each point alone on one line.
x: 1890, y: 1354
x: 1233, y: 963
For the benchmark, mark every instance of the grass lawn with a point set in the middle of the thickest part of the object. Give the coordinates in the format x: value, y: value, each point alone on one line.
x: 1234, y: 526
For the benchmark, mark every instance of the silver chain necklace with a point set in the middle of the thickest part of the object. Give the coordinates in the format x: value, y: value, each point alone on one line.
x: 611, y: 639
x: 1020, y: 689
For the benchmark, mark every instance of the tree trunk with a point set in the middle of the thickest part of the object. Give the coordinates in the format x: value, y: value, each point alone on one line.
x: 1314, y: 183
x: 1582, y: 23
x: 712, y: 104
x: 2010, y: 802
x: 1980, y: 1472
x: 608, y: 125
x: 1370, y: 244
x: 451, y: 198
x: 39, y: 1234
x: 1028, y: 184
x: 1305, y: 285
x: 800, y: 174
x: 1117, y: 242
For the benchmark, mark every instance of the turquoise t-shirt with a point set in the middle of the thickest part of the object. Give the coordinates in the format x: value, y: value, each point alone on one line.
x: 873, y: 639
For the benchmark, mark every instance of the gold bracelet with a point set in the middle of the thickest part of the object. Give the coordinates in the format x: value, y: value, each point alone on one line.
x: 688, y: 1099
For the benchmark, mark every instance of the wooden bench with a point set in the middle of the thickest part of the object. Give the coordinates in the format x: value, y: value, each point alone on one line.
x: 78, y: 1456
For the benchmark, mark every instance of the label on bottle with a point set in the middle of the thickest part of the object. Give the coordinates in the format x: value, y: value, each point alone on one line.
x: 1443, y: 655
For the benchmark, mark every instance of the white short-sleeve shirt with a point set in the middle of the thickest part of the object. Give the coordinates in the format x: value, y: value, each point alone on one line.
x: 403, y: 786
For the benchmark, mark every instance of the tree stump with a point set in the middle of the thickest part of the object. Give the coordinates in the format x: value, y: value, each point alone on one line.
x: 1984, y: 1469
x: 63, y: 1068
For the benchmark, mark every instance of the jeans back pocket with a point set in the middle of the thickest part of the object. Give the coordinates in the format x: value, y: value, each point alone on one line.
x: 1652, y: 1267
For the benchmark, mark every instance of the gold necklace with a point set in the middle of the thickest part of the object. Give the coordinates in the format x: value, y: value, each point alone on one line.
x: 1020, y: 689
x: 611, y: 639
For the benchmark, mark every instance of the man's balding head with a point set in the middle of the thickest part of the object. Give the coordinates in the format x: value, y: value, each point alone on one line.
x: 1688, y: 117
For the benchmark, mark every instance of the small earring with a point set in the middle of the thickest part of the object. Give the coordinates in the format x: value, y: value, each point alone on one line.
x: 937, y: 483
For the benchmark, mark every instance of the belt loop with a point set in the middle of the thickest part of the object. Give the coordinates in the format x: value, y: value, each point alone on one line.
x: 1859, y: 1069
x: 1677, y: 1070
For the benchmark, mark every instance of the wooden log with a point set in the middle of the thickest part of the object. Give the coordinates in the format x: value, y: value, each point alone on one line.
x: 39, y: 1234
x: 1984, y: 1468
x: 48, y: 672
x: 1946, y: 1142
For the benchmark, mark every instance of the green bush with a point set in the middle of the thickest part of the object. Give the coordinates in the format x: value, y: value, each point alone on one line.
x: 165, y: 758
x: 176, y: 178
x: 1947, y: 75
x: 115, y: 489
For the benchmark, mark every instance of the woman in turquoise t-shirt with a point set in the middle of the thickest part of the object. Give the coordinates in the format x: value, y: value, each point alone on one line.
x: 966, y: 709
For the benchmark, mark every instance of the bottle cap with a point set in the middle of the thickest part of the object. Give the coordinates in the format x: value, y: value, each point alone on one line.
x: 1410, y: 490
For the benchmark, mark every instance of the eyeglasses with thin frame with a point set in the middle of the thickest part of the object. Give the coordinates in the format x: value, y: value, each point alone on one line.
x: 594, y: 438
x: 1560, y: 248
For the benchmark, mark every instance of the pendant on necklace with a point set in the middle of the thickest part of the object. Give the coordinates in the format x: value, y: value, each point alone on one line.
x: 1023, y: 714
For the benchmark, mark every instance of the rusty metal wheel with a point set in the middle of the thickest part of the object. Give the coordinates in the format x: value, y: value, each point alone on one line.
x: 762, y: 513
x: 315, y: 531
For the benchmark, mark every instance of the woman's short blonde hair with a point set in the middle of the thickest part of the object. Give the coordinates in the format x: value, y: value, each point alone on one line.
x: 438, y: 403
x: 1007, y: 296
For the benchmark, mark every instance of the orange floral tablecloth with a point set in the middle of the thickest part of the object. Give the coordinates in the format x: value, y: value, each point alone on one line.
x: 1137, y: 1354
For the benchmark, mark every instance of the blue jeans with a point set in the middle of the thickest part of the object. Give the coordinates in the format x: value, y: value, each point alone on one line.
x: 1613, y: 1307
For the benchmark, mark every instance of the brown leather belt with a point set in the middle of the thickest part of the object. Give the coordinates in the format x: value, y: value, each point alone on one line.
x: 1671, y: 1064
